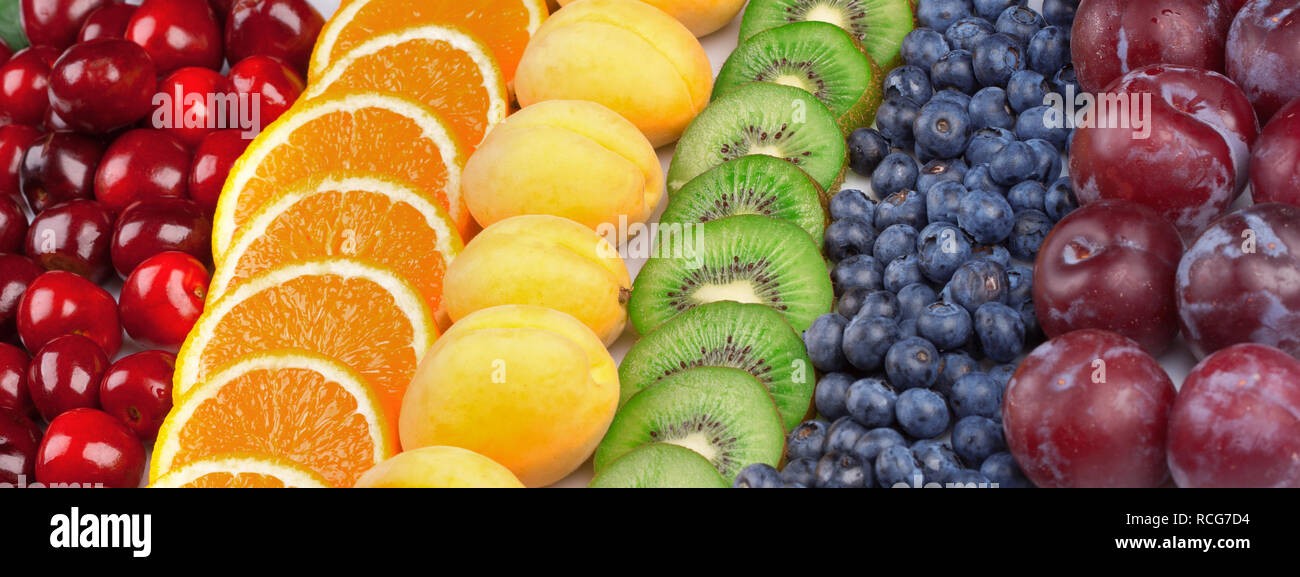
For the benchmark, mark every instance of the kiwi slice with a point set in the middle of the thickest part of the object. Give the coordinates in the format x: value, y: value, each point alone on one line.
x: 723, y: 414
x: 660, y: 466
x: 745, y: 258
x: 759, y: 185
x: 762, y: 118
x: 752, y: 338
x: 879, y: 25
x: 814, y: 56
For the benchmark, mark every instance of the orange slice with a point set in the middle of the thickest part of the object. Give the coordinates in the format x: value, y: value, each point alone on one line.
x: 366, y: 317
x: 445, y: 68
x: 505, y: 25
x: 367, y: 217
x: 368, y: 132
x: 241, y: 472
x: 298, y: 406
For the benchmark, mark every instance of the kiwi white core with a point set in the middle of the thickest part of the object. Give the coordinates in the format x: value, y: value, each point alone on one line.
x: 827, y: 14
x: 741, y: 291
x: 698, y: 442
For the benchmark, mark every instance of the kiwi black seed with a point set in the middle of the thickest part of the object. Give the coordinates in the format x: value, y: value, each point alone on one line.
x: 817, y: 57
x: 878, y: 25
x: 745, y: 258
x: 723, y: 414
x: 748, y: 337
x: 762, y: 118
x: 660, y: 466
x: 759, y: 185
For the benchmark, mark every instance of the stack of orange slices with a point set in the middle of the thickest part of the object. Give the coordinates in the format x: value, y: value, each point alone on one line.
x: 331, y: 239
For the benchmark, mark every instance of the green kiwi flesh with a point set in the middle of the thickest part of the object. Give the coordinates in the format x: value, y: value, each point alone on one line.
x: 747, y: 337
x: 723, y: 414
x: 660, y: 466
x: 762, y: 118
x: 879, y: 25
x: 759, y: 185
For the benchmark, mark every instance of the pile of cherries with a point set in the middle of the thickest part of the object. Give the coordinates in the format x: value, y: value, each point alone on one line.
x: 116, y: 137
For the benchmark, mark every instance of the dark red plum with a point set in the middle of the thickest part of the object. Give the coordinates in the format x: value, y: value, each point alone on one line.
x: 1236, y: 422
x: 1275, y: 161
x: 1110, y: 38
x: 1239, y: 282
x: 1089, y: 409
x: 1263, y: 52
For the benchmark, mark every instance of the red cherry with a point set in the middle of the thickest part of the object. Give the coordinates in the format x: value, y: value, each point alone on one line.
x: 13, y: 225
x: 13, y: 380
x: 221, y: 8
x: 138, y: 391
x: 65, y: 375
x: 277, y: 86
x: 14, y: 140
x: 187, y: 108
x: 74, y: 236
x: 59, y: 167
x: 103, y: 85
x: 56, y: 22
x: 5, y: 51
x: 143, y: 164
x: 16, y: 273
x: 212, y: 162
x: 177, y: 33
x: 60, y: 303
x: 24, y: 82
x: 107, y: 22
x: 166, y: 224
x: 163, y: 299
x: 284, y: 29
x: 19, y: 440
x: 90, y: 447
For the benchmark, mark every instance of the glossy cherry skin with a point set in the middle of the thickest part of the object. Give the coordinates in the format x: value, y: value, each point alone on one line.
x: 275, y: 85
x: 177, y: 33
x: 65, y: 374
x: 103, y: 85
x: 24, y: 85
x: 1263, y: 53
x: 14, y: 140
x: 19, y: 440
x: 1274, y: 172
x: 13, y: 380
x: 1238, y: 282
x: 167, y: 224
x: 5, y: 51
x: 74, y: 236
x: 56, y: 22
x: 59, y: 167
x: 163, y: 299
x: 1089, y: 409
x: 138, y: 391
x: 1236, y: 422
x: 90, y: 447
x: 16, y: 273
x: 212, y: 162
x: 13, y: 225
x: 143, y: 164
x: 60, y: 303
x: 1113, y: 37
x: 1195, y: 159
x: 185, y: 108
x: 107, y: 22
x: 283, y: 29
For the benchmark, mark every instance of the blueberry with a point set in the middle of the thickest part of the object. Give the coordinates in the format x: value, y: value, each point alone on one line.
x: 946, y: 325
x: 1001, y: 374
x: 914, y: 298
x: 977, y: 282
x: 872, y: 444
x: 867, y: 147
x: 807, y: 441
x: 942, y: 129
x: 843, y: 434
x: 1001, y: 468
x: 996, y: 58
x: 922, y: 413
x: 942, y: 248
x: 1066, y: 81
x: 824, y: 340
x: 976, y: 394
x: 976, y: 438
x: 959, y: 98
x: 909, y: 82
x: 1060, y: 199
x: 943, y: 201
x: 995, y: 253
x: 849, y: 237
x: 912, y: 363
x: 964, y: 33
x: 896, y: 172
x: 989, y: 108
x: 954, y: 71
x: 938, y: 462
x: 880, y: 304
x: 1048, y: 159
x: 1019, y: 22
x: 986, y: 142
x: 801, y: 472
x: 907, y: 329
x: 1027, y: 236
x: 894, y: 120
x: 1020, y: 285
x: 1014, y: 164
x: 894, y: 242
x: 968, y: 479
x: 1027, y: 195
x: 956, y: 364
x: 758, y: 476
x: 896, y: 466
x: 831, y: 395
x: 1027, y: 89
x: 850, y: 303
x: 940, y: 170
x: 859, y: 271
x: 901, y: 272
x: 1001, y: 331
x: 1048, y: 50
x: 871, y: 402
x: 1033, y: 332
x: 868, y: 339
x: 1042, y: 122
x: 1060, y: 12
x: 923, y: 47
x: 903, y: 207
x: 842, y: 471
x: 851, y: 202
x: 986, y: 216
x: 991, y: 9
x: 979, y: 178
x: 940, y: 14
